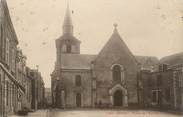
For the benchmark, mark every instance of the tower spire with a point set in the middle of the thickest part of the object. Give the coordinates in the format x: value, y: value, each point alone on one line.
x: 67, y: 25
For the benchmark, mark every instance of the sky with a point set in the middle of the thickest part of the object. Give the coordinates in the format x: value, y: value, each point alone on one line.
x: 148, y: 27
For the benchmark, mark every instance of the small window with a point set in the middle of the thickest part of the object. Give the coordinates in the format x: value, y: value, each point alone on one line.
x: 78, y: 80
x: 69, y: 48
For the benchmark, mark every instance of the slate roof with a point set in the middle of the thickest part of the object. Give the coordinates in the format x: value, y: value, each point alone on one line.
x: 174, y: 59
x: 83, y: 61
x: 76, y: 61
x: 116, y: 46
x: 4, y: 8
x: 144, y: 60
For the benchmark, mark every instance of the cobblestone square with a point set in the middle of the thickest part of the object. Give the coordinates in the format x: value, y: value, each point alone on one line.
x: 98, y: 113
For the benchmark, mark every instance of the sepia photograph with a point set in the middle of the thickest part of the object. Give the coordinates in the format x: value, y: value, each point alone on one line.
x: 91, y: 58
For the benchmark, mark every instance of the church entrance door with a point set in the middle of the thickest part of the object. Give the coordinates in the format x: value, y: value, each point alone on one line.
x: 78, y: 99
x: 118, y: 98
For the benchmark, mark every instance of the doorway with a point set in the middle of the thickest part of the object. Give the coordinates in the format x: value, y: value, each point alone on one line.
x: 78, y: 99
x: 118, y: 98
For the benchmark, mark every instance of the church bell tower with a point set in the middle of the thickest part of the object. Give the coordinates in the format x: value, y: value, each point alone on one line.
x: 67, y: 43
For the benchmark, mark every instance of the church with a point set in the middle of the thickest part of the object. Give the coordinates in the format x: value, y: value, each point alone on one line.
x: 108, y: 79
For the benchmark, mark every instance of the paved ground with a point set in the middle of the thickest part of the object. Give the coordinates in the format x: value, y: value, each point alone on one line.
x: 98, y: 113
x: 39, y: 113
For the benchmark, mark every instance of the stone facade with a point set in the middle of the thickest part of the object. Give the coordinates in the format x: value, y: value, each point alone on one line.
x: 21, y: 78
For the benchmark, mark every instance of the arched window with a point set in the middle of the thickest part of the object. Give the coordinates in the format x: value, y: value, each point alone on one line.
x: 116, y: 73
x: 78, y: 80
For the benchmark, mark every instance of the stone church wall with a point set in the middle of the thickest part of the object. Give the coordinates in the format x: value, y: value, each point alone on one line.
x: 71, y: 89
x: 105, y: 82
x: 115, y: 52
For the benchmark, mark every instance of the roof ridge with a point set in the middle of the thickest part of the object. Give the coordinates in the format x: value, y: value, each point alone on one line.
x: 147, y: 57
x: 172, y: 55
x: 79, y: 54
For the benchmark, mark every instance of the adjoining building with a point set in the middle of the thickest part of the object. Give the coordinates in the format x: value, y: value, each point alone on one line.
x: 10, y: 88
x: 38, y: 90
x: 15, y: 80
x: 28, y: 88
x: 48, y: 97
x: 163, y: 88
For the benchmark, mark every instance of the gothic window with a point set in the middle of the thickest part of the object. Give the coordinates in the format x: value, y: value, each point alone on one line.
x: 78, y: 80
x: 116, y: 73
x: 69, y: 48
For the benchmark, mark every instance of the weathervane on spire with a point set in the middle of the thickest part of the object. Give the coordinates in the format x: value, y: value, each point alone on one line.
x: 115, y: 27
